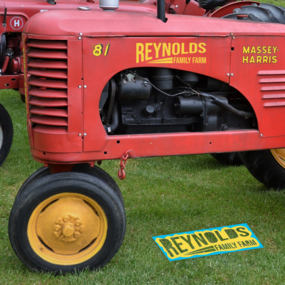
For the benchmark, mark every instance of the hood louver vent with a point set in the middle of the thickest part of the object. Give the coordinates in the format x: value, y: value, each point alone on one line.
x: 272, y: 87
x: 47, y: 70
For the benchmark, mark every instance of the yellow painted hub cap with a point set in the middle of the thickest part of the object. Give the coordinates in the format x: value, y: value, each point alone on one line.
x: 67, y: 229
x: 279, y: 155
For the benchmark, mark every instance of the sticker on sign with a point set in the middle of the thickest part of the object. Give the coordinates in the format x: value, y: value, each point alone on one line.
x: 207, y: 242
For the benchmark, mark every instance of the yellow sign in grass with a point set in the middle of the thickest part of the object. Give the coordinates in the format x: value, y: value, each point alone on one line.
x: 207, y: 242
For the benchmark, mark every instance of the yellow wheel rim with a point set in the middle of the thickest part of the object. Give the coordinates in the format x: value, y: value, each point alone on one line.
x: 279, y: 155
x: 67, y: 229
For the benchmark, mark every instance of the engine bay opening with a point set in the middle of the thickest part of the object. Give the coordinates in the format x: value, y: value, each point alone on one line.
x: 163, y: 100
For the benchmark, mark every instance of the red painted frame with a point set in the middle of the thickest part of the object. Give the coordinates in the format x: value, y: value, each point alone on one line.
x: 227, y: 43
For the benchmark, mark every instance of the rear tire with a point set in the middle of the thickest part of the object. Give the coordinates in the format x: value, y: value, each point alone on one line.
x: 6, y: 134
x: 228, y: 158
x: 267, y: 166
x: 260, y: 13
x: 66, y: 222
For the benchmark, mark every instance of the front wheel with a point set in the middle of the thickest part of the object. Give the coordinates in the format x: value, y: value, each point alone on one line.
x: 82, y: 168
x: 6, y: 134
x: 66, y: 222
x: 267, y: 166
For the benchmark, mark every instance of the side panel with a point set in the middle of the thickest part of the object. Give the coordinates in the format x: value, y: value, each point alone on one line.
x: 259, y: 73
x: 75, y: 94
x: 9, y: 82
x: 104, y: 57
x: 49, y: 137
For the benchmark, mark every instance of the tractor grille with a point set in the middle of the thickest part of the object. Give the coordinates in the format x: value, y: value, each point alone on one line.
x: 272, y: 87
x: 47, y: 94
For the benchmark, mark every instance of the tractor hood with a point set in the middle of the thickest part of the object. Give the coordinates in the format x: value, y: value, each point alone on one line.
x: 95, y: 23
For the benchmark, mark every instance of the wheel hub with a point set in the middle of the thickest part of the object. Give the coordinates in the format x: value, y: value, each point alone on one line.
x: 279, y: 155
x: 68, y: 225
x: 68, y: 228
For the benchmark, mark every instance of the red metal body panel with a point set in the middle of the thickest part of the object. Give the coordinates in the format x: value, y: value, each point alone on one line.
x: 262, y: 79
x: 117, y: 24
x: 215, y: 48
x: 9, y: 82
x: 156, y: 145
x: 137, y: 45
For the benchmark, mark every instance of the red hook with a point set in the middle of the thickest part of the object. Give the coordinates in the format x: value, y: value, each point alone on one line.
x: 121, y: 171
x: 121, y: 174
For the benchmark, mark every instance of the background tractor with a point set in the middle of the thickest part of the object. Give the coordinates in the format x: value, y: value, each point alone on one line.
x: 111, y: 85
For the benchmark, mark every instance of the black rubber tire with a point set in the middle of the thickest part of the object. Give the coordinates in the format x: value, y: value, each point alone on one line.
x: 42, y: 172
x: 67, y: 182
x: 100, y: 173
x: 82, y: 168
x: 23, y: 98
x: 6, y: 129
x: 228, y: 158
x: 260, y: 13
x: 264, y: 167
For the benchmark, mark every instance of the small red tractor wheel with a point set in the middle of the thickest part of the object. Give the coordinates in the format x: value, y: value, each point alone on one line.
x: 66, y: 222
x: 267, y: 166
x: 6, y: 134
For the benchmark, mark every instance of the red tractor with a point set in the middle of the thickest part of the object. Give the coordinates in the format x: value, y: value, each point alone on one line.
x: 14, y: 15
x: 111, y: 85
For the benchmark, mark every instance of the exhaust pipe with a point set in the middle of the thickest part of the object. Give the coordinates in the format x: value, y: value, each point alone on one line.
x: 161, y: 10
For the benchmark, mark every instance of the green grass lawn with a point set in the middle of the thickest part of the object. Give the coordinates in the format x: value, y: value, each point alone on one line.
x: 274, y: 2
x: 162, y: 196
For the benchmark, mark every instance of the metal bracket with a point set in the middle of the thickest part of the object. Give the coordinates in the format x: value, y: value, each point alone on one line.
x: 4, y: 20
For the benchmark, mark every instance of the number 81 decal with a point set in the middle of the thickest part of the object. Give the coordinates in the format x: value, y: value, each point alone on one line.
x: 99, y: 50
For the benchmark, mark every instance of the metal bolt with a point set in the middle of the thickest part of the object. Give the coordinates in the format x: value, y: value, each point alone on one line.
x: 80, y: 34
x: 79, y: 86
x: 232, y: 74
x: 79, y: 38
x: 228, y: 74
x: 79, y: 135
x: 85, y: 86
x: 261, y: 135
x: 176, y: 6
x: 85, y: 134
